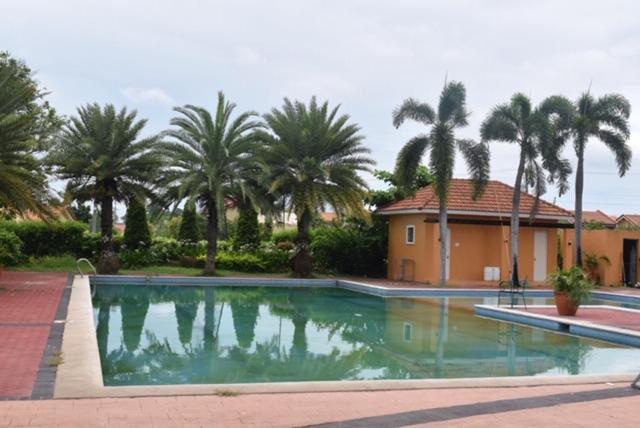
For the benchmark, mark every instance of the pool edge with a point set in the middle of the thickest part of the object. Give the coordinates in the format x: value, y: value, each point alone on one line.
x: 80, y: 374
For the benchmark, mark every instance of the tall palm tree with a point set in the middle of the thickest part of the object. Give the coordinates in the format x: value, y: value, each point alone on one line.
x: 540, y: 134
x: 102, y: 155
x: 313, y: 156
x: 23, y: 184
x: 441, y: 144
x: 208, y: 157
x: 607, y: 119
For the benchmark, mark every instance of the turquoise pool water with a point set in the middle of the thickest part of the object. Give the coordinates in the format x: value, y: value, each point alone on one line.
x: 188, y: 335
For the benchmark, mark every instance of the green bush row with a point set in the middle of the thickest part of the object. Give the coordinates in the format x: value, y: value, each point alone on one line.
x: 48, y: 239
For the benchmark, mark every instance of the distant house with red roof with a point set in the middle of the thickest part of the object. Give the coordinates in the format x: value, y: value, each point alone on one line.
x: 628, y: 221
x: 478, y: 246
x: 599, y: 218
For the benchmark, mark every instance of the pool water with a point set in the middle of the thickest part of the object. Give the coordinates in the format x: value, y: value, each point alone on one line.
x: 192, y: 335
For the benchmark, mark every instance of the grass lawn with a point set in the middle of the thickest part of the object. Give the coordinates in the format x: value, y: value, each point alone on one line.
x: 68, y: 264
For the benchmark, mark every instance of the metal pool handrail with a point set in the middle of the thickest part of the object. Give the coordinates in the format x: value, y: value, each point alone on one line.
x: 87, y: 262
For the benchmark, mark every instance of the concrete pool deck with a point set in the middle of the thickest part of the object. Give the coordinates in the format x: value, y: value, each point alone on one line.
x: 609, y: 323
x: 80, y: 375
x: 600, y: 405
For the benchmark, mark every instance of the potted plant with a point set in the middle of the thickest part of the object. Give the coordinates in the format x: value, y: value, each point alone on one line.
x: 572, y: 287
x: 592, y: 265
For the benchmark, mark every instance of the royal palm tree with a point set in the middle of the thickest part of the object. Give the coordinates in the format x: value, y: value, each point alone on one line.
x: 102, y: 156
x: 606, y: 119
x: 540, y: 134
x: 209, y: 156
x: 23, y: 184
x: 312, y: 156
x: 441, y: 144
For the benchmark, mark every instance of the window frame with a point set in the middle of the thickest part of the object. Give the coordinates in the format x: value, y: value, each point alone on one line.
x: 406, y: 234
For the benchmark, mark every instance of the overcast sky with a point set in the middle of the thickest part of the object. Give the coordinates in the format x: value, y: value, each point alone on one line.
x: 367, y: 56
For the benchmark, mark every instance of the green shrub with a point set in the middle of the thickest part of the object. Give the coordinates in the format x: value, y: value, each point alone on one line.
x: 136, y: 258
x: 354, y: 249
x: 48, y: 239
x: 284, y: 235
x: 92, y: 244
x: 189, y: 229
x: 243, y: 262
x: 247, y: 233
x: 266, y: 259
x: 136, y: 232
x: 10, y: 248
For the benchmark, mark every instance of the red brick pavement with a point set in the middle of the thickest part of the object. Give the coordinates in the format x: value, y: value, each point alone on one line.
x: 28, y: 304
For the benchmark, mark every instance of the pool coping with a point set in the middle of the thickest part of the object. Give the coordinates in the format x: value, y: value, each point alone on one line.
x: 80, y: 374
x: 577, y: 327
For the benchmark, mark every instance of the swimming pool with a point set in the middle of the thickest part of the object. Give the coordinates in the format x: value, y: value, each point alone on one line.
x: 163, y: 335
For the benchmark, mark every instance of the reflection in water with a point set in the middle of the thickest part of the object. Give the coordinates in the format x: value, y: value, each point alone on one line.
x: 222, y: 335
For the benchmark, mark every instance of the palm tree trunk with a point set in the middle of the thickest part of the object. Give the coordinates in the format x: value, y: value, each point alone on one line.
x: 302, y: 258
x: 212, y: 238
x: 108, y: 262
x: 515, y: 222
x: 578, y: 210
x: 442, y: 214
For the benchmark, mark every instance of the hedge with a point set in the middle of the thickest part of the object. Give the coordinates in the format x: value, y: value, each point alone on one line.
x: 48, y: 239
x: 10, y: 248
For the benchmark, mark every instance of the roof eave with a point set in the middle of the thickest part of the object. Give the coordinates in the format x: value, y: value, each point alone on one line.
x: 473, y: 213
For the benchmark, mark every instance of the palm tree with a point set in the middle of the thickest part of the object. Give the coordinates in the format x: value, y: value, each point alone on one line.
x: 540, y: 134
x: 23, y: 184
x: 441, y: 143
x: 312, y: 156
x: 102, y: 155
x: 209, y: 156
x: 607, y: 119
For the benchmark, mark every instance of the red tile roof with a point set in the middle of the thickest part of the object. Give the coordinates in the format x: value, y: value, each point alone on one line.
x: 597, y: 216
x: 631, y: 218
x: 496, y: 198
x: 328, y: 216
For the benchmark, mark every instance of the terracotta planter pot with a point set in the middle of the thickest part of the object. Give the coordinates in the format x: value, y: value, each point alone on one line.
x: 564, y: 304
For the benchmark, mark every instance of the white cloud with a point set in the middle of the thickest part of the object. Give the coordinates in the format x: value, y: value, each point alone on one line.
x: 148, y: 95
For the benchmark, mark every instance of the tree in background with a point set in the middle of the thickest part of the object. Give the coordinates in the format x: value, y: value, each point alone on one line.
x: 189, y: 230
x: 540, y: 134
x: 312, y: 156
x: 102, y: 156
x: 441, y: 144
x: 247, y: 233
x: 26, y: 125
x: 606, y: 119
x: 136, y: 232
x: 81, y: 212
x: 209, y: 156
x: 380, y: 198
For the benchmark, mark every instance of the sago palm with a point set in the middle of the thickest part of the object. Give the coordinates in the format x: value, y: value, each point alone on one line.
x: 540, y: 134
x: 23, y: 184
x: 102, y: 156
x: 313, y: 155
x: 441, y: 145
x: 209, y: 157
x: 605, y: 119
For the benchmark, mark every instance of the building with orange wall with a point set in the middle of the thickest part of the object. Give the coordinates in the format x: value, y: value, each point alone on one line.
x: 478, y: 246
x: 620, y: 246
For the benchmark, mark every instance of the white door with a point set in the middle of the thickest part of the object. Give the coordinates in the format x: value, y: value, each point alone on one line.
x: 540, y: 256
x: 448, y: 271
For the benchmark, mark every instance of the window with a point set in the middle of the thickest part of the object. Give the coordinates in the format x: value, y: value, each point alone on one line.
x: 411, y: 234
x: 407, y: 332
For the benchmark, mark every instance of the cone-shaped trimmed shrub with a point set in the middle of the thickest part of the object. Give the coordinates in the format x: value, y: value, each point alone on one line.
x: 136, y: 232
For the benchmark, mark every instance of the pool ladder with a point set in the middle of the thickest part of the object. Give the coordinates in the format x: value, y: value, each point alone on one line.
x: 87, y: 262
